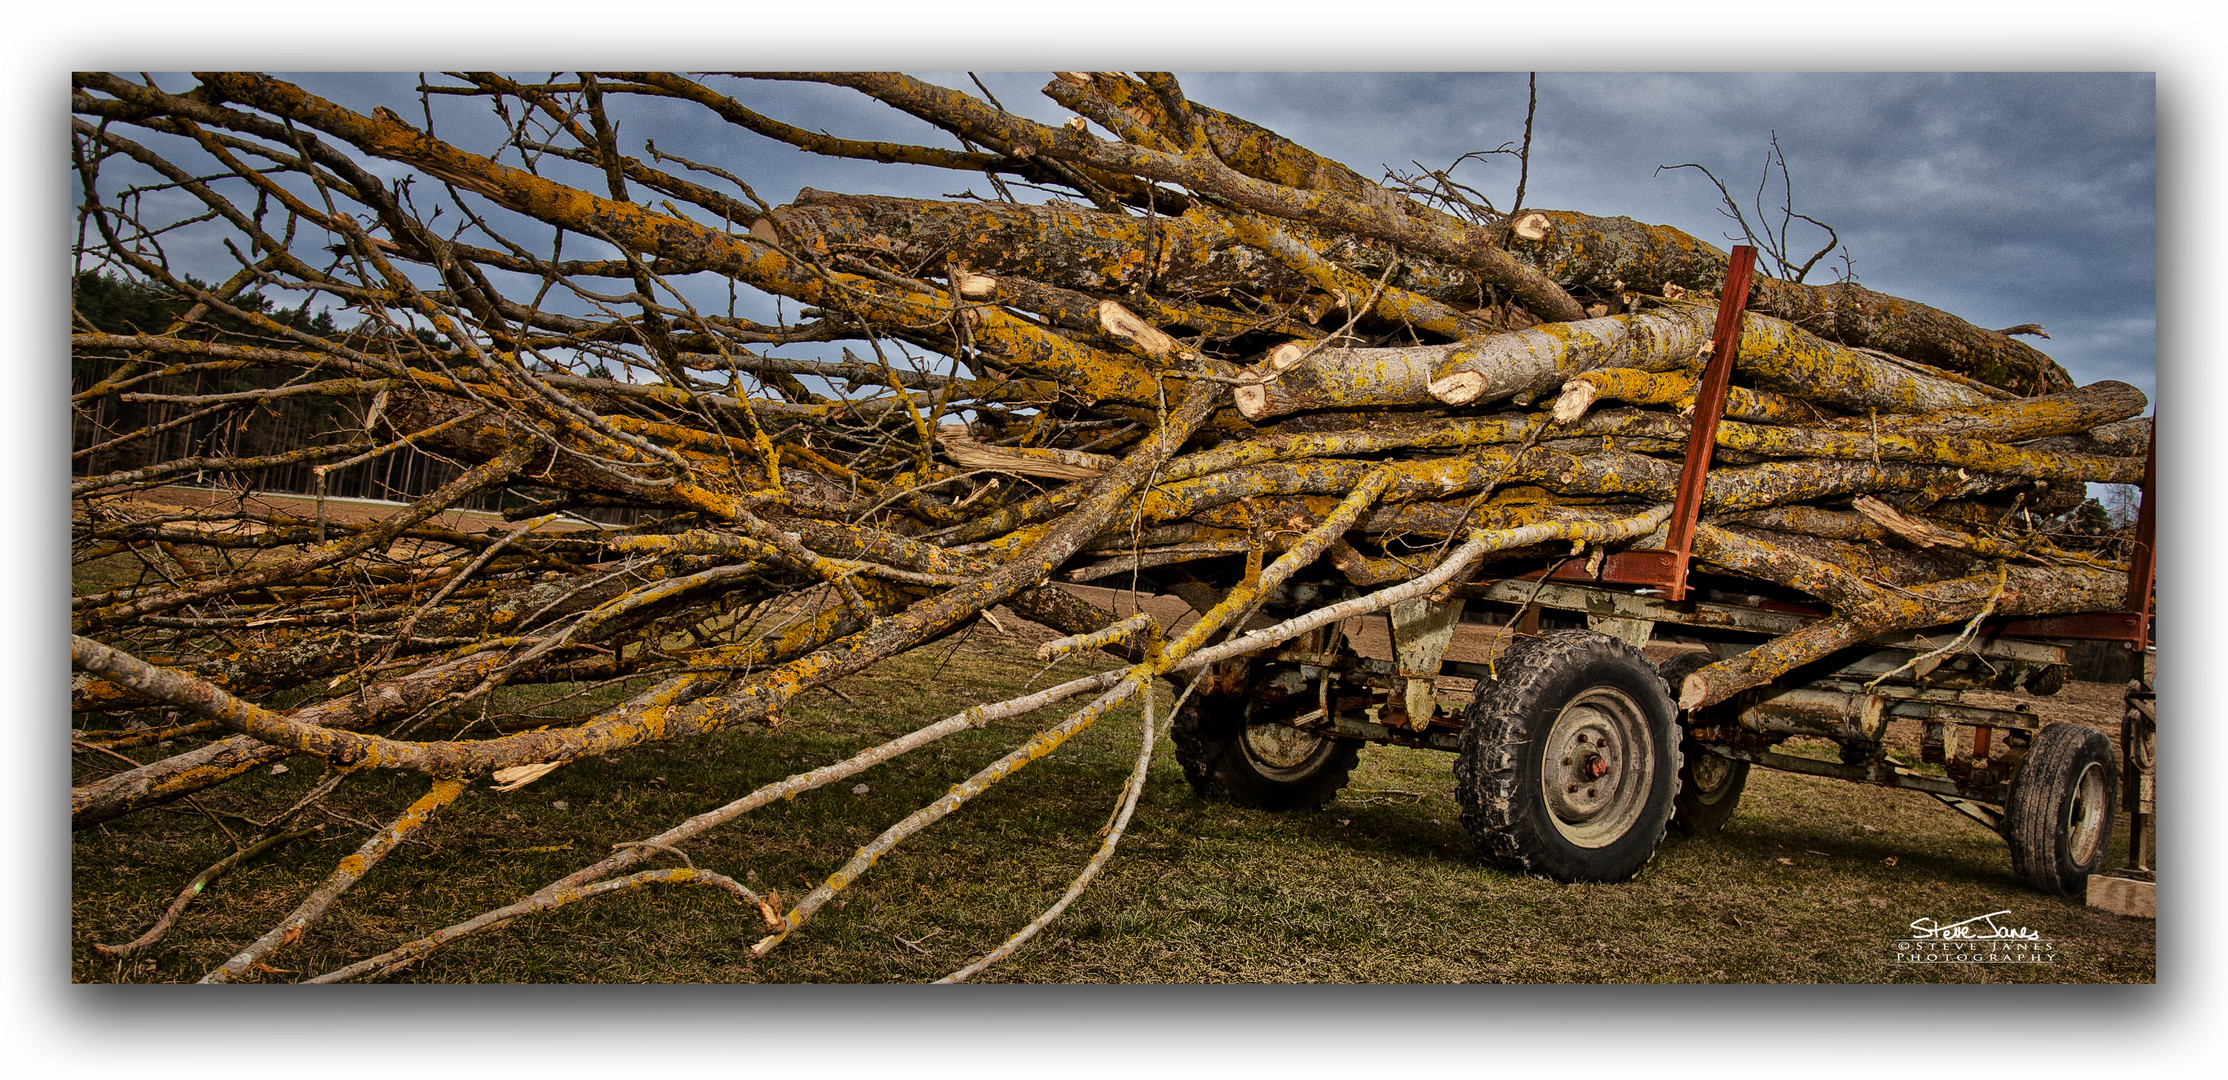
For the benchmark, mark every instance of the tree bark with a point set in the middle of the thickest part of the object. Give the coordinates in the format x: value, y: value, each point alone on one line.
x: 1540, y: 359
x: 1606, y: 253
x: 2070, y: 412
x: 1342, y: 379
x: 2025, y: 591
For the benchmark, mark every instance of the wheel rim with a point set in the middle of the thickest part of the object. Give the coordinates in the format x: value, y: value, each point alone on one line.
x: 2085, y: 815
x: 1599, y: 767
x: 1711, y: 776
x: 1279, y: 751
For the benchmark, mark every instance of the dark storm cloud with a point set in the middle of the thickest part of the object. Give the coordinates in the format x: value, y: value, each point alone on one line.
x: 2004, y: 198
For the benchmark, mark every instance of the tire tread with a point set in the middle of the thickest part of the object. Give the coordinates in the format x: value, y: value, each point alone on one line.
x: 2034, y: 808
x: 1489, y: 770
x: 1688, y: 812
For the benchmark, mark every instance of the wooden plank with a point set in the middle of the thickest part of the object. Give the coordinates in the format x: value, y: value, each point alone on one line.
x: 2124, y: 896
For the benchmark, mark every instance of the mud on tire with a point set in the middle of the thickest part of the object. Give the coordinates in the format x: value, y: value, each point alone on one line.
x: 1570, y: 759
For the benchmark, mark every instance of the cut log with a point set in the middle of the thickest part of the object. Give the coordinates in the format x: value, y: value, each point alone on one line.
x: 2080, y: 410
x: 1677, y: 389
x: 1989, y: 457
x: 1122, y: 323
x: 1058, y: 244
x: 1340, y: 379
x: 1841, y: 572
x: 1544, y: 357
x: 2126, y: 438
x: 1609, y: 253
x: 1790, y: 481
x: 1809, y: 521
x: 2021, y: 591
x: 1775, y: 355
x: 1779, y: 355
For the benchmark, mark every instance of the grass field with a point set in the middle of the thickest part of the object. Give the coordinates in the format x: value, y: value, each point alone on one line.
x: 1813, y: 881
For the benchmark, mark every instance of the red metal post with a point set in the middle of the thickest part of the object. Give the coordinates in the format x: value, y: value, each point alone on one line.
x: 1709, y: 406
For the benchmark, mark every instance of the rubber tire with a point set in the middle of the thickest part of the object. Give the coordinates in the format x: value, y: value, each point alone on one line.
x: 1209, y: 733
x: 2068, y: 784
x: 1709, y: 786
x: 1499, y: 772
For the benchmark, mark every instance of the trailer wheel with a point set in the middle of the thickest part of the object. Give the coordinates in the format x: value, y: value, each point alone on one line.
x: 1569, y: 759
x: 1709, y: 786
x: 1233, y: 750
x: 2058, y: 813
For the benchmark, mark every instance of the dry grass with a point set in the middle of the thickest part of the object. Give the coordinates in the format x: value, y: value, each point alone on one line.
x: 1813, y: 881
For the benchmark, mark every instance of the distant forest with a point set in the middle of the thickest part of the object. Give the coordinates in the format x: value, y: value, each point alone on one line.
x: 185, y: 407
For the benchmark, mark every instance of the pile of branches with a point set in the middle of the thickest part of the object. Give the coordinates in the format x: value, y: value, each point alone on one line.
x: 1215, y: 362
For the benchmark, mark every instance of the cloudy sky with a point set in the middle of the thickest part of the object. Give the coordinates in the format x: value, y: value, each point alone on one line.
x: 2002, y: 198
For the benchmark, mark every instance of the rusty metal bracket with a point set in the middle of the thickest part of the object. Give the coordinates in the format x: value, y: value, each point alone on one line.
x: 1709, y: 407
x: 1666, y: 569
